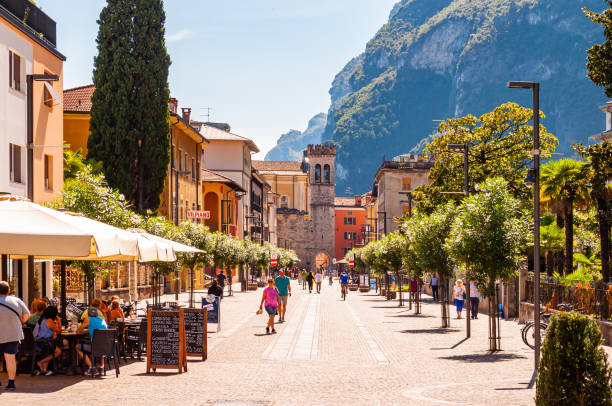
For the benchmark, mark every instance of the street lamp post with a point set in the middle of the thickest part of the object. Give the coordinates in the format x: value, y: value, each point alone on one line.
x: 535, y: 88
x: 465, y: 147
x: 30, y: 79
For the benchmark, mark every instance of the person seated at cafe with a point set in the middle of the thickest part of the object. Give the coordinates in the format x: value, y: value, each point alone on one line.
x: 97, y: 303
x: 215, y: 289
x: 94, y: 320
x: 115, y: 312
x: 37, y: 312
x: 47, y: 328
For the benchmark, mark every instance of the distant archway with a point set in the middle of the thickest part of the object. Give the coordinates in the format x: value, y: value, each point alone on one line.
x: 211, y: 204
x: 322, y: 259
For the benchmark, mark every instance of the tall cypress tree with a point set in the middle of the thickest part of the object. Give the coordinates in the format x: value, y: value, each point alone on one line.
x: 150, y: 101
x: 130, y: 131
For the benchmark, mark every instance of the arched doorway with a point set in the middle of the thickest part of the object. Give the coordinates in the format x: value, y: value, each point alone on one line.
x: 211, y: 204
x: 322, y: 259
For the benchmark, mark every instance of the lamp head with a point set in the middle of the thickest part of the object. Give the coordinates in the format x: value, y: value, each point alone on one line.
x: 530, y: 178
x: 521, y: 85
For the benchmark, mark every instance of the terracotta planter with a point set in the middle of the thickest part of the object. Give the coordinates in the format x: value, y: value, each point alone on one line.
x: 364, y: 289
x: 261, y: 284
x: 353, y: 288
x: 252, y: 286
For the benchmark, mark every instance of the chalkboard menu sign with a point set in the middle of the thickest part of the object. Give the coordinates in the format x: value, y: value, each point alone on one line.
x: 195, y: 332
x: 166, y: 340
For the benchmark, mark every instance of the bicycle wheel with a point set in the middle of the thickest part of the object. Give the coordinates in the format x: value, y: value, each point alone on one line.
x: 529, y: 334
x: 525, y: 327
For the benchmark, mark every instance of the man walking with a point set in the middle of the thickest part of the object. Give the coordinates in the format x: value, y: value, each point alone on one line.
x: 318, y: 280
x: 435, y: 283
x: 283, y: 284
x: 13, y: 312
x: 474, y: 299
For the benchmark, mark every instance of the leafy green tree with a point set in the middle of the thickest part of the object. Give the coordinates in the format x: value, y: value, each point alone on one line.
x: 599, y: 157
x: 574, y: 367
x: 427, y: 235
x: 565, y: 181
x: 599, y: 65
x: 129, y: 125
x: 488, y: 238
x: 198, y: 236
x: 89, y: 194
x: 501, y: 143
x: 390, y: 253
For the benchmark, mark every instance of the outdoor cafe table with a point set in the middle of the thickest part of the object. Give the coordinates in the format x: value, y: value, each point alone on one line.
x: 73, y: 337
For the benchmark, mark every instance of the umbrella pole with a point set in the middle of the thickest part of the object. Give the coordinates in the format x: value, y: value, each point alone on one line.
x: 63, y: 288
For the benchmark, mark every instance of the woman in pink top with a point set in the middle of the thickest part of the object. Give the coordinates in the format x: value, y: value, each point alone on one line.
x: 270, y: 299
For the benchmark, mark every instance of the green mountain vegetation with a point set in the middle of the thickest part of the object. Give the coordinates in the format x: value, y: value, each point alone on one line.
x: 439, y: 59
x: 290, y: 145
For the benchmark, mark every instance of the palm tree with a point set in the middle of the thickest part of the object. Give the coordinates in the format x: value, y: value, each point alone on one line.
x: 566, y: 182
x: 552, y: 240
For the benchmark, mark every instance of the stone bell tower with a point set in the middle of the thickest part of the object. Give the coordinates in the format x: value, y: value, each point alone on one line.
x: 321, y: 185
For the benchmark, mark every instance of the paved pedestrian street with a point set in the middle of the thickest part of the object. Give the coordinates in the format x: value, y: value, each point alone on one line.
x: 362, y: 351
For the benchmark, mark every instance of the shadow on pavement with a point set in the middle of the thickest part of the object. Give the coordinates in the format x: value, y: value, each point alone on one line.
x: 27, y: 383
x: 484, y: 357
x: 438, y: 330
x: 420, y: 316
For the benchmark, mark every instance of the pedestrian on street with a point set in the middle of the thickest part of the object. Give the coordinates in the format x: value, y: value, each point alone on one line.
x: 318, y: 280
x: 304, y: 275
x: 310, y: 279
x: 474, y: 298
x: 270, y: 299
x: 459, y: 295
x: 283, y: 285
x: 13, y: 312
x: 221, y: 281
x: 434, y: 282
x: 215, y: 289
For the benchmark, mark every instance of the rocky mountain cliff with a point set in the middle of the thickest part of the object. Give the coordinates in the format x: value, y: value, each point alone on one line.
x: 436, y: 59
x: 292, y: 144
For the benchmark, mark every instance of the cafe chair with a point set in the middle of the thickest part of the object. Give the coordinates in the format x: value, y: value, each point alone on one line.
x: 28, y: 348
x: 137, y: 338
x: 105, y: 345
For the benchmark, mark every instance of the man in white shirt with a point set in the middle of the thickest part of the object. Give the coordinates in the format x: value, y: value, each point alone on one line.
x: 474, y: 298
x: 13, y: 313
x: 318, y: 280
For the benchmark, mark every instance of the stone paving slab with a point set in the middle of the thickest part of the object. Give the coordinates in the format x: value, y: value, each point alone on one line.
x: 362, y: 351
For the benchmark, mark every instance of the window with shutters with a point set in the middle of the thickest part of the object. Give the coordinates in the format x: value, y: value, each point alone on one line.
x: 48, y: 172
x: 15, y: 155
x: 15, y: 68
x: 406, y: 184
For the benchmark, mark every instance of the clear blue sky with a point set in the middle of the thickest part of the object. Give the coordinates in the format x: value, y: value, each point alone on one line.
x: 264, y: 66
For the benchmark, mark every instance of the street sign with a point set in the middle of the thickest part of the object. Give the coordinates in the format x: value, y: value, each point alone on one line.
x: 273, y: 259
x: 273, y: 262
x: 351, y: 257
x: 352, y: 264
x: 197, y: 214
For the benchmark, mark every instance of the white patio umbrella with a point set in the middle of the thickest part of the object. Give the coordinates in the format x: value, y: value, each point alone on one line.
x: 31, y: 229
x: 176, y: 246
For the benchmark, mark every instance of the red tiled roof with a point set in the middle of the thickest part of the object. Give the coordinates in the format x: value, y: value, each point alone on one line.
x: 277, y: 166
x: 78, y: 99
x: 210, y: 176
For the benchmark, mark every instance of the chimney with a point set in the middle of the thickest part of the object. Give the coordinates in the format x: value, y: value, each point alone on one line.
x: 186, y: 114
x: 358, y: 201
x: 173, y: 105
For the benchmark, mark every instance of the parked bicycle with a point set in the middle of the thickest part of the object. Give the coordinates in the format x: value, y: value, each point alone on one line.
x: 528, y: 331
